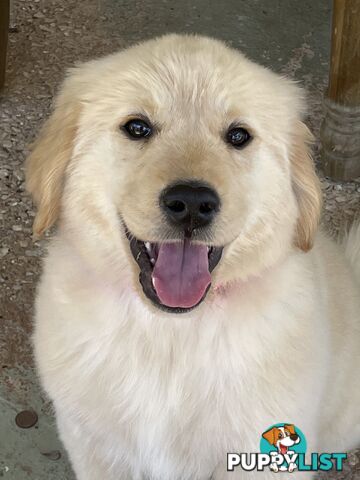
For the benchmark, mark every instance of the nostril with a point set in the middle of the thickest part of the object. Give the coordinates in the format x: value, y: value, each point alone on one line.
x: 176, y: 206
x: 206, y: 208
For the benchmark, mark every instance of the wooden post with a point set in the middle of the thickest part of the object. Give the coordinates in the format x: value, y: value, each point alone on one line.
x: 340, y: 131
x: 4, y: 29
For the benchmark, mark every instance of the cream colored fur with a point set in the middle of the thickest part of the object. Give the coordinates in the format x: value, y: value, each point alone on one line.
x: 144, y: 394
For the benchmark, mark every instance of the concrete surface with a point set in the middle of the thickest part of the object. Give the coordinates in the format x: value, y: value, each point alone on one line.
x: 46, y: 37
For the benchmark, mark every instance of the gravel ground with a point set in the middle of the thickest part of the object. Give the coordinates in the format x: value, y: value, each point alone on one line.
x: 47, y: 36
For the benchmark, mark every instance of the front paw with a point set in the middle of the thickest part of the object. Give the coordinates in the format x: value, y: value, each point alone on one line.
x: 274, y: 467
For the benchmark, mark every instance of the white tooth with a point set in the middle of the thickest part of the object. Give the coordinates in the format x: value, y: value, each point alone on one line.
x: 148, y: 246
x: 153, y: 281
x: 152, y: 260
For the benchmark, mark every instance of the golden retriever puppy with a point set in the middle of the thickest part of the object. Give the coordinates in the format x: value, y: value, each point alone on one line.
x: 187, y: 302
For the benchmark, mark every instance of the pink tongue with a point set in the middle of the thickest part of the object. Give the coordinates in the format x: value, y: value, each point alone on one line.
x: 181, y: 274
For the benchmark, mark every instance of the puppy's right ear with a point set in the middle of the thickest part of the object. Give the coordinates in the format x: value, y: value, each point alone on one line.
x: 52, y: 151
x: 269, y: 435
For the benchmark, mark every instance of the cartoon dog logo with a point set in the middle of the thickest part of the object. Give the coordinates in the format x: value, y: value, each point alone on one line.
x: 283, y: 438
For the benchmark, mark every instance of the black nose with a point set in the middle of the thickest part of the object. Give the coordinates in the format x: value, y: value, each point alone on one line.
x: 190, y: 205
x: 294, y: 437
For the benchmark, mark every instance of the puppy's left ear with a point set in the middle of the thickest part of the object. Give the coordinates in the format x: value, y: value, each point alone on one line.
x: 306, y: 186
x: 290, y: 427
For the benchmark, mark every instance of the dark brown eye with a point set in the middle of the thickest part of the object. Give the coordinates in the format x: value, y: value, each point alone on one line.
x: 238, y: 137
x: 137, y: 129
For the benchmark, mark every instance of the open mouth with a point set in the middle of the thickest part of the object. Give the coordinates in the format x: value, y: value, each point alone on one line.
x: 175, y: 276
x: 283, y: 449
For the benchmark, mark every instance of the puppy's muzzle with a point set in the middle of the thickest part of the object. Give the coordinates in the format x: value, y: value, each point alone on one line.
x: 190, y: 205
x: 176, y: 274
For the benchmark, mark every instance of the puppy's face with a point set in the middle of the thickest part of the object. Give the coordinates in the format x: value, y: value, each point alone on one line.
x: 182, y: 160
x: 282, y: 437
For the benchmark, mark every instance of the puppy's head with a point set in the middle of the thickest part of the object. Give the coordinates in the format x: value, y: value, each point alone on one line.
x: 182, y: 159
x: 282, y: 437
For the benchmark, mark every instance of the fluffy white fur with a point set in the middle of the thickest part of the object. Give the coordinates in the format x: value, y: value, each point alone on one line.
x: 144, y: 394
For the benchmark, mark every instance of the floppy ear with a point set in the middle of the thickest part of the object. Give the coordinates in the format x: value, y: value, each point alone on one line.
x: 306, y: 186
x: 270, y: 435
x: 46, y: 165
x: 291, y: 428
